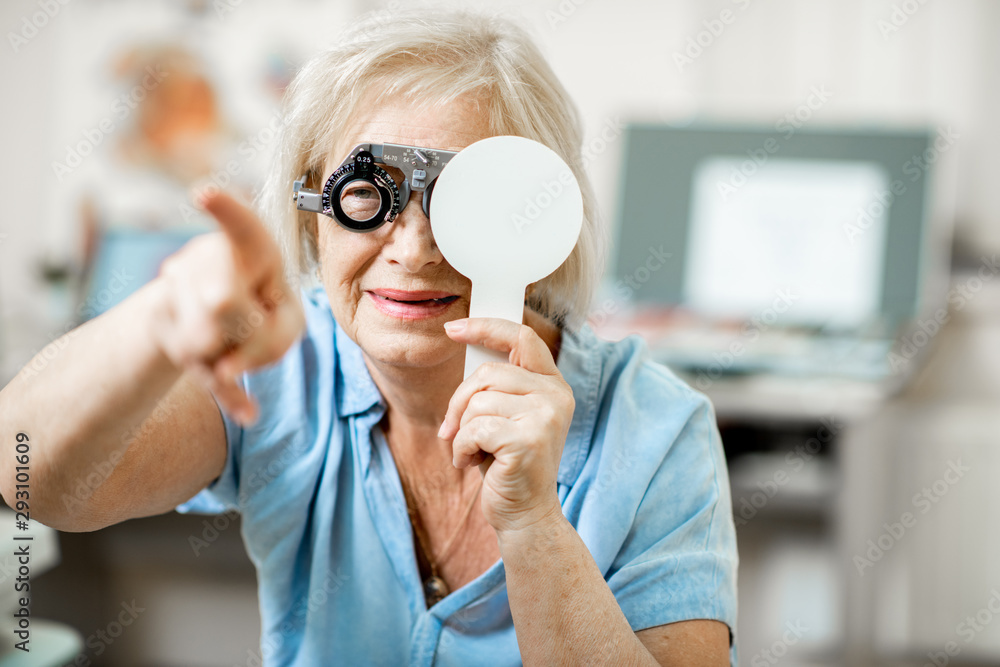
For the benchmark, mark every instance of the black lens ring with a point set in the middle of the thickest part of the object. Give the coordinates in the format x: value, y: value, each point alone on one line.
x: 378, y: 177
x: 350, y: 223
x: 426, y: 202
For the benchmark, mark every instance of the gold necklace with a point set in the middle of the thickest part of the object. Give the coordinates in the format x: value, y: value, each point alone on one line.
x: 435, y: 588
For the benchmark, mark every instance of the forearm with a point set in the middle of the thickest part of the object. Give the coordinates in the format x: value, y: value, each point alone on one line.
x: 80, y: 406
x: 563, y: 610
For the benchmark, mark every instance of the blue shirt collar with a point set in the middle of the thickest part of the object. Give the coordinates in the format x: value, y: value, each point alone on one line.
x: 356, y: 390
x: 579, y: 362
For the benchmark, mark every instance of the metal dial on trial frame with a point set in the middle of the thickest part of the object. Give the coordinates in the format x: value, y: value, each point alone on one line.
x: 346, y: 174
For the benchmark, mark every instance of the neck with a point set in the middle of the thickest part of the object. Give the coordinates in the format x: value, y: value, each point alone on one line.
x: 417, y: 401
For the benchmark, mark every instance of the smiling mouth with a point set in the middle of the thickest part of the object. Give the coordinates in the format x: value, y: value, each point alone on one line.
x: 447, y: 299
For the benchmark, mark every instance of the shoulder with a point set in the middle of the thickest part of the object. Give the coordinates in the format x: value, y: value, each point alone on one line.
x: 638, y: 427
x: 631, y: 392
x: 654, y: 472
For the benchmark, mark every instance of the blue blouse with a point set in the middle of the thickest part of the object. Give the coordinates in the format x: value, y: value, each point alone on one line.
x: 643, y: 480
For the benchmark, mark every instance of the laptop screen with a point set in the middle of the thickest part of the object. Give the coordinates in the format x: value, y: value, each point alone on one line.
x: 835, y: 219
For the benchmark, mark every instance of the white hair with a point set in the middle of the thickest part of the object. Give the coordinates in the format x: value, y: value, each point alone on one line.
x: 434, y: 56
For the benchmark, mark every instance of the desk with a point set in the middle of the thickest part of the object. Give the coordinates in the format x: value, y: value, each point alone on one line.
x: 793, y: 545
x: 769, y: 397
x: 891, y: 445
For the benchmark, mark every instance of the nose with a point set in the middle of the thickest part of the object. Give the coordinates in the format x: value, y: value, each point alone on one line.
x: 410, y: 243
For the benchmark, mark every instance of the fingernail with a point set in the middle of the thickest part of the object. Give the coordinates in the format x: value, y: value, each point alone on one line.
x: 454, y: 326
x: 441, y: 428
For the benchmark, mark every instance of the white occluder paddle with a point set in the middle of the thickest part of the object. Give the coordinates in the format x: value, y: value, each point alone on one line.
x: 505, y: 212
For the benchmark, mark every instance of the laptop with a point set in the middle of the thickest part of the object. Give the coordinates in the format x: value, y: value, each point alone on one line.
x: 778, y: 250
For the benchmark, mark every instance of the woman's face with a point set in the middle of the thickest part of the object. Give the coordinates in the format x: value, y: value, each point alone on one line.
x: 400, y: 255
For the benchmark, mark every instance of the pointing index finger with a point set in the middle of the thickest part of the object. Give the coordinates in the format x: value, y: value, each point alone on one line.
x: 251, y: 241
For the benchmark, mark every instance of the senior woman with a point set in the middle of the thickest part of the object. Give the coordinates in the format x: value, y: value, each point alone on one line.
x: 600, y: 531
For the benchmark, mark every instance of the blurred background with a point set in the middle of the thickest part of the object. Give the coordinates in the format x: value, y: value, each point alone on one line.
x: 804, y: 221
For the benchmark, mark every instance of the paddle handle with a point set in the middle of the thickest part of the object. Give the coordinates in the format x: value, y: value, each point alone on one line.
x: 505, y: 301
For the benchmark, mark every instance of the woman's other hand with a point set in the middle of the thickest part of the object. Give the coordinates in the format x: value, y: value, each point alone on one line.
x: 225, y: 306
x: 519, y: 413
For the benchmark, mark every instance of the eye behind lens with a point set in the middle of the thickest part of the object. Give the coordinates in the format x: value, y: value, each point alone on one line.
x: 361, y: 196
x: 360, y: 200
x: 361, y: 204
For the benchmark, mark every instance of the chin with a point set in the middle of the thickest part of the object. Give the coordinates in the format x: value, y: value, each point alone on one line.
x: 406, y: 347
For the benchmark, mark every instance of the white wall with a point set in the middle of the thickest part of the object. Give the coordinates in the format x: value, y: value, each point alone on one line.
x: 24, y: 173
x: 939, y: 68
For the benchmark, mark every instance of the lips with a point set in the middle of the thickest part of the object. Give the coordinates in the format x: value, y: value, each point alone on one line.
x: 416, y: 297
x: 411, y: 305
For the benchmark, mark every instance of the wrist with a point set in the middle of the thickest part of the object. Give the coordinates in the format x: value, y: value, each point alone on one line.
x: 155, y: 299
x: 536, y: 527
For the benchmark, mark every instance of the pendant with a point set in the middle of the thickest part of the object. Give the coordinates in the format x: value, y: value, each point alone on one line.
x: 435, y: 590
